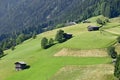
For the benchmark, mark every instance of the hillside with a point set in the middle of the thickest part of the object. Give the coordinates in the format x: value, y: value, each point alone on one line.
x: 54, y: 64
x: 17, y: 15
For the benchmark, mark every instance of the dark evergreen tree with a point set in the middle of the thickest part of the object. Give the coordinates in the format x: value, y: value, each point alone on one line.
x: 4, y: 46
x: 44, y: 43
x: 51, y: 42
x: 1, y: 52
x: 106, y: 10
x: 20, y: 38
x: 111, y: 51
x: 34, y: 35
x: 59, y: 36
x: 117, y: 68
x: 118, y: 39
x: 60, y: 25
x: 13, y: 48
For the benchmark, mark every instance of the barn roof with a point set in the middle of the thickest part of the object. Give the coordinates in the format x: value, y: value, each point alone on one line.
x: 20, y: 62
x: 92, y: 26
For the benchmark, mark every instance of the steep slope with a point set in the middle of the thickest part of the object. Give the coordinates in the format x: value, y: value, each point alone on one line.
x: 16, y: 15
x: 45, y: 66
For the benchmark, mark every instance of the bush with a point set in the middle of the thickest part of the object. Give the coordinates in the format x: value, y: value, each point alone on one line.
x: 117, y: 68
x: 100, y: 21
x: 34, y: 35
x: 118, y: 39
x: 51, y: 42
x: 111, y: 51
x: 60, y: 26
x: 1, y: 52
x: 44, y: 43
x: 13, y: 48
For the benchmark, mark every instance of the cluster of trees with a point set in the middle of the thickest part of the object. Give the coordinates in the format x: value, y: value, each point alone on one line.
x: 20, y: 15
x: 110, y: 8
x: 113, y: 54
x: 59, y: 37
x: 8, y: 41
x: 74, y: 10
x: 16, y: 39
x: 45, y: 43
x: 102, y: 21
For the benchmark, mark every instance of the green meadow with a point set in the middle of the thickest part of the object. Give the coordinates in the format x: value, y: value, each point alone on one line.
x: 45, y: 66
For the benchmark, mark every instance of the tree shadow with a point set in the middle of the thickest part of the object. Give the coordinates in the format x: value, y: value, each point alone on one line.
x: 48, y: 46
x: 27, y: 67
x: 3, y: 55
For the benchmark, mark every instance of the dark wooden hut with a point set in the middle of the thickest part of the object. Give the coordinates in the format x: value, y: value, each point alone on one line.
x: 20, y: 65
x: 93, y: 28
x: 67, y: 36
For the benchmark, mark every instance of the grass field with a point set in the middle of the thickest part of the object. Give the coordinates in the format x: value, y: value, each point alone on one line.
x: 91, y: 72
x: 83, y: 53
x: 44, y: 65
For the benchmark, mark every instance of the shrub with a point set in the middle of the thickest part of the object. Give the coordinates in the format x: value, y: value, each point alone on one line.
x: 51, y: 42
x: 117, y: 68
x: 44, y: 43
x: 111, y: 51
x: 59, y: 36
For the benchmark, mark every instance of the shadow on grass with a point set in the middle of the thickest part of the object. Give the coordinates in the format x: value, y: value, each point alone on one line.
x: 27, y: 67
x: 3, y: 55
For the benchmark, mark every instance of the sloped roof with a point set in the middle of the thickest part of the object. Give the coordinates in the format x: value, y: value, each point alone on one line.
x: 20, y: 62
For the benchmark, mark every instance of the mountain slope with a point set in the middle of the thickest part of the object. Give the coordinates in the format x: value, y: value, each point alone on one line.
x: 17, y: 15
x: 45, y: 66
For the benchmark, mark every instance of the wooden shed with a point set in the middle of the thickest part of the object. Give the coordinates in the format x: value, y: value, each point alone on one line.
x: 20, y: 65
x: 93, y: 28
x: 67, y: 36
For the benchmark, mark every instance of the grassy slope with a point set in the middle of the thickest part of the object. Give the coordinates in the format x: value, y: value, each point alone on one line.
x: 98, y: 72
x: 43, y: 64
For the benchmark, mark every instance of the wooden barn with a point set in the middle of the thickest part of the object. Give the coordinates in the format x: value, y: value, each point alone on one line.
x: 93, y: 28
x: 20, y: 65
x: 67, y: 36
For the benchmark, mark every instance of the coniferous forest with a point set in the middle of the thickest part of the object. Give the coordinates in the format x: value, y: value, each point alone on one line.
x: 23, y: 19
